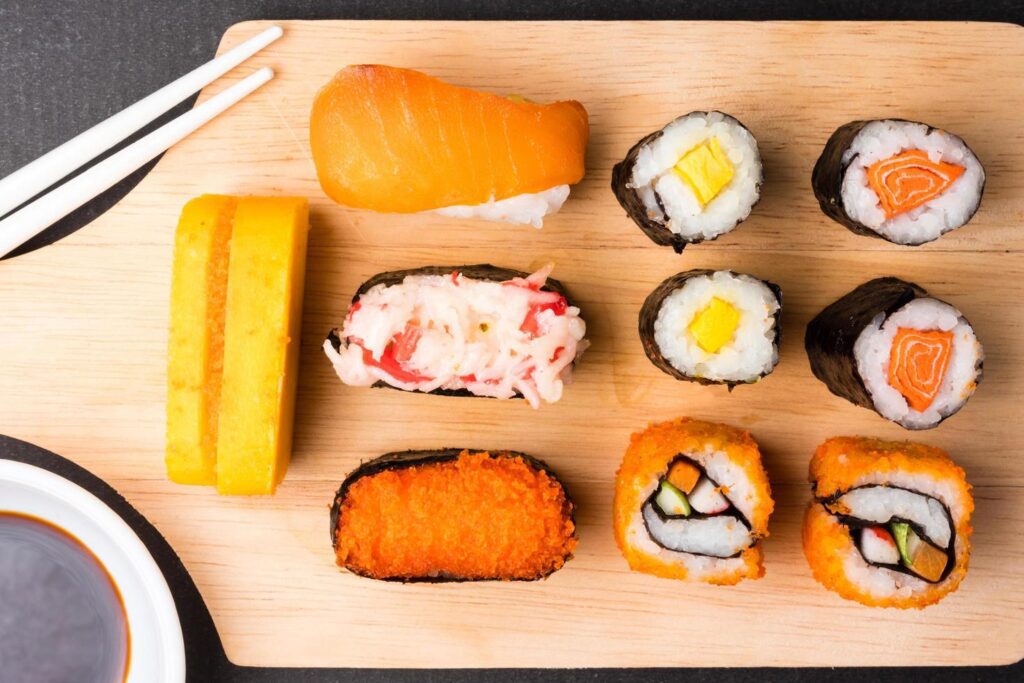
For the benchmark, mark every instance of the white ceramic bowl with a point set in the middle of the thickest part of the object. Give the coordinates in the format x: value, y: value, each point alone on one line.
x: 157, y: 648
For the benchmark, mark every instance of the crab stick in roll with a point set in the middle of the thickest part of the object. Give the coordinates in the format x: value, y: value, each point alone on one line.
x: 463, y: 331
x: 399, y: 141
x: 692, y: 501
x: 889, y: 525
x: 891, y: 347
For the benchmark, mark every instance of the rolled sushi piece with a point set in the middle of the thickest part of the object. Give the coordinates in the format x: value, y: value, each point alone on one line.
x: 398, y: 141
x: 694, y: 180
x: 889, y: 525
x: 461, y: 331
x: 901, y: 181
x: 713, y: 327
x: 453, y: 515
x: 891, y: 347
x: 692, y: 501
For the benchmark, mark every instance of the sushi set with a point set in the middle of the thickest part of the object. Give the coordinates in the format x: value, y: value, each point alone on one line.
x: 428, y: 308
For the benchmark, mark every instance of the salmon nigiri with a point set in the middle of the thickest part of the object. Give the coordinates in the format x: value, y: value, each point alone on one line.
x: 398, y: 141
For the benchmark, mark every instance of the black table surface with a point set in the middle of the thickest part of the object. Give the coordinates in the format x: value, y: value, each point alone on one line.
x: 66, y: 66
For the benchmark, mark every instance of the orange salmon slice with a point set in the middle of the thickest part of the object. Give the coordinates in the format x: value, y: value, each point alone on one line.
x: 909, y: 179
x: 917, y: 364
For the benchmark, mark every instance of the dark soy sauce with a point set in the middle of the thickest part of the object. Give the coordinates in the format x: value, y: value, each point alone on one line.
x: 62, y: 619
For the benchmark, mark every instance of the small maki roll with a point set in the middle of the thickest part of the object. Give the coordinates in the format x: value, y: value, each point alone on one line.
x: 891, y: 347
x: 453, y: 515
x: 692, y: 501
x: 889, y: 525
x: 902, y: 181
x: 461, y: 331
x: 693, y: 180
x: 713, y: 327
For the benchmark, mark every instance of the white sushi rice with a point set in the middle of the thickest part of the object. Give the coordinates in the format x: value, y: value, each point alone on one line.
x: 874, y: 345
x: 750, y: 354
x: 737, y: 488
x: 720, y: 536
x: 882, y: 503
x: 653, y: 178
x: 880, y: 140
x: 528, y: 208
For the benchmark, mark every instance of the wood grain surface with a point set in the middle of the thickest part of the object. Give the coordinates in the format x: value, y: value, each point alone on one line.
x: 84, y: 339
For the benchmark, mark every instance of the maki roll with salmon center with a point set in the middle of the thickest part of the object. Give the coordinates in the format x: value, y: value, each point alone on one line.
x: 694, y: 180
x: 902, y: 181
x: 398, y: 141
x: 461, y: 331
x: 692, y: 501
x: 889, y: 525
x: 891, y: 347
x: 453, y: 515
x: 713, y: 327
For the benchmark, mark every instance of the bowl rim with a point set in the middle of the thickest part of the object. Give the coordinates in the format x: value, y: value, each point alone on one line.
x: 150, y: 576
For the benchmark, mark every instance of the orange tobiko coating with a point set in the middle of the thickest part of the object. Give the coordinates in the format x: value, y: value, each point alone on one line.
x: 477, y: 516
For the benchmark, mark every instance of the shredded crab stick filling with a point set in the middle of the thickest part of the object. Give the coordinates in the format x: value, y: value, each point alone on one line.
x: 690, y: 513
x: 918, y: 363
x: 909, y: 180
x: 497, y: 339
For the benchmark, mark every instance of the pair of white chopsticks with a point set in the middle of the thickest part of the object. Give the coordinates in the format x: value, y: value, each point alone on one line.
x: 30, y: 180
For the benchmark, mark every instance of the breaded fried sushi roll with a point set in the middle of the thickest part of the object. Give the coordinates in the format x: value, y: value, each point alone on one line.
x: 692, y: 501
x: 453, y: 515
x: 889, y: 525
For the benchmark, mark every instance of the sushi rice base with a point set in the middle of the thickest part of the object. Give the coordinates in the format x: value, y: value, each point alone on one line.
x: 736, y: 488
x: 468, y: 328
x: 653, y: 174
x: 528, y: 208
x: 873, y: 347
x: 750, y: 354
x: 880, y: 504
x: 881, y: 140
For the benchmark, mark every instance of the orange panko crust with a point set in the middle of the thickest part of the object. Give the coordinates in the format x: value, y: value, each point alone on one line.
x: 396, y: 140
x: 648, y: 458
x: 841, y: 461
x: 826, y: 543
x: 838, y: 465
x: 474, y: 517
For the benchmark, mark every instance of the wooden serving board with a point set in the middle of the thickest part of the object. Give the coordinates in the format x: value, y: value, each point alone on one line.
x: 83, y: 346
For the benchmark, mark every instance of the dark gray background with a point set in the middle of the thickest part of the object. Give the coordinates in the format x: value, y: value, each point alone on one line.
x: 64, y: 66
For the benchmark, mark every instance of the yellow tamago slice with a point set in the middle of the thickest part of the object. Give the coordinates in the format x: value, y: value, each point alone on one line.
x: 706, y: 169
x: 714, y: 326
x: 261, y: 343
x: 196, y: 342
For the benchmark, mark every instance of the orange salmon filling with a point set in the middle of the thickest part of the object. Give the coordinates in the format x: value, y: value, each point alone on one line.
x: 917, y: 364
x: 475, y: 517
x: 909, y: 179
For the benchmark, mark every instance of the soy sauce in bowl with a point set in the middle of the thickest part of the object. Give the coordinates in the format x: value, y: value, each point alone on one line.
x: 62, y: 617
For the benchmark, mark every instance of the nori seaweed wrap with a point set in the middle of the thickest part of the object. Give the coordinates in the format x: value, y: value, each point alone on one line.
x: 902, y: 181
x: 713, y: 327
x: 889, y: 346
x: 694, y: 180
x: 430, y: 516
x: 544, y: 301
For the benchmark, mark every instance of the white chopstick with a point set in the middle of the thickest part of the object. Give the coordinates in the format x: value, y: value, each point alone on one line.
x: 33, y: 178
x: 33, y: 218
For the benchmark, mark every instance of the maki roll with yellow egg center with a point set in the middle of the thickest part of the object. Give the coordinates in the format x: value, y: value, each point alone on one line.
x: 891, y: 347
x: 902, y: 181
x: 889, y: 523
x: 693, y: 180
x: 713, y: 327
x: 692, y: 501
